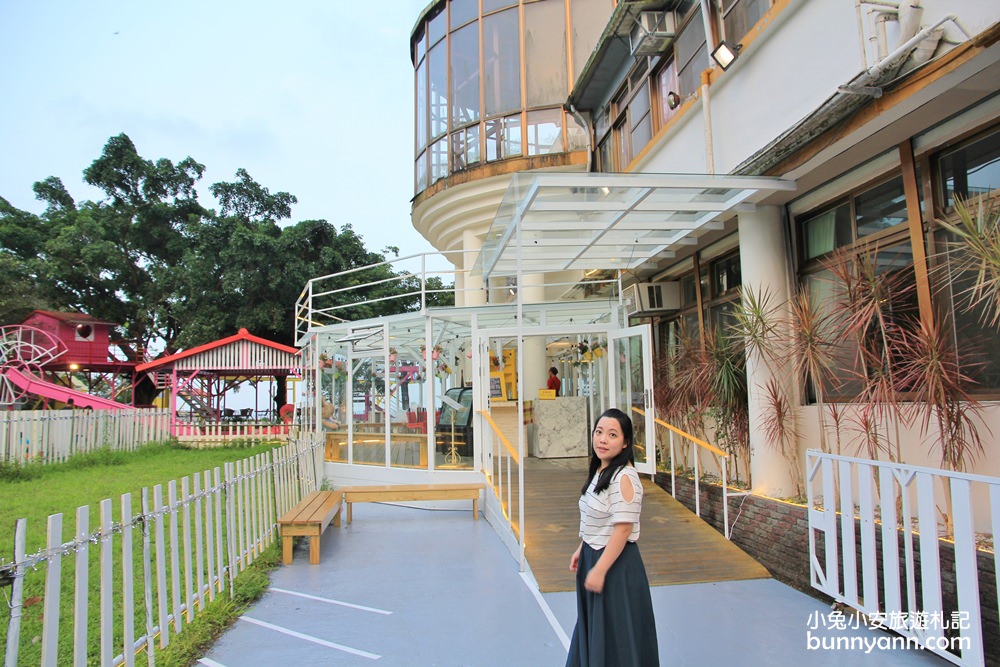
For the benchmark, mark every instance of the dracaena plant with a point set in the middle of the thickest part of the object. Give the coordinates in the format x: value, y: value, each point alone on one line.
x: 975, y: 249
x: 870, y: 311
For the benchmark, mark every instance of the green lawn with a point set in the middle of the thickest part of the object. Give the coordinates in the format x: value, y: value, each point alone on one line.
x: 35, y: 492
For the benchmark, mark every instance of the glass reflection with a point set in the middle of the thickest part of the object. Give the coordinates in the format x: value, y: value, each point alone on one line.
x: 465, y: 75
x: 437, y: 93
x: 545, y: 53
x: 545, y: 132
x: 501, y: 63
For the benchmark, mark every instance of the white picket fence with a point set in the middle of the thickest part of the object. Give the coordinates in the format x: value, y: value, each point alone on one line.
x: 182, y: 549
x: 50, y: 436
x: 855, y: 503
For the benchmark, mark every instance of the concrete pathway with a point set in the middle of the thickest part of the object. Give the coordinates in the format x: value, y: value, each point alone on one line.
x: 412, y: 587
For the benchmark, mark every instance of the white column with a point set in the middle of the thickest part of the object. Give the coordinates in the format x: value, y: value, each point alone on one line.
x: 473, y: 293
x: 764, y: 265
x: 536, y: 368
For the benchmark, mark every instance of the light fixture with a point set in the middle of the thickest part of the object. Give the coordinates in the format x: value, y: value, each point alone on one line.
x: 725, y: 54
x: 673, y: 100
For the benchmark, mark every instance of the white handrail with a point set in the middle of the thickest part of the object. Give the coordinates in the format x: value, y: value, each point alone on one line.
x: 726, y: 493
x: 881, y: 553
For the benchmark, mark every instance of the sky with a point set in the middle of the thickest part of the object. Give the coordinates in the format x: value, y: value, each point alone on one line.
x: 311, y: 97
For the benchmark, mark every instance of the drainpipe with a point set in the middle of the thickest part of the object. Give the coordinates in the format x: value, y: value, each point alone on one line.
x: 706, y: 18
x: 706, y: 110
x: 879, y: 68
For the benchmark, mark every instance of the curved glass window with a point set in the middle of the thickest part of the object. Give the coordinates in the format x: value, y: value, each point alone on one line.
x: 463, y: 11
x: 486, y: 91
x: 437, y: 27
x: 545, y: 132
x: 545, y: 53
x: 493, y: 5
x: 421, y: 96
x: 437, y: 93
x: 501, y: 63
x: 439, y: 159
x: 588, y: 24
x: 465, y: 75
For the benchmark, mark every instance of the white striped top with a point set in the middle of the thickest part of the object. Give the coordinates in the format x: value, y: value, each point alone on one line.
x: 601, y: 511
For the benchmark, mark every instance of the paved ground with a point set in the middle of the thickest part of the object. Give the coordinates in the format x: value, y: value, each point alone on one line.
x: 408, y: 587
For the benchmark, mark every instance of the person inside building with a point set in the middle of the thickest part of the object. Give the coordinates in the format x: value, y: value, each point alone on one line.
x: 554, y: 382
x: 615, y: 623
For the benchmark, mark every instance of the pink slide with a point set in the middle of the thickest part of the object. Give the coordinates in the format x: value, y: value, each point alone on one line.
x: 33, y: 385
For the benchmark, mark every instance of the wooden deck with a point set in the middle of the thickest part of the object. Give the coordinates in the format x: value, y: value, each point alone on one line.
x: 677, y: 547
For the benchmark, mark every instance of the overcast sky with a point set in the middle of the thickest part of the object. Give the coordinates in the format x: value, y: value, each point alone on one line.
x: 311, y: 97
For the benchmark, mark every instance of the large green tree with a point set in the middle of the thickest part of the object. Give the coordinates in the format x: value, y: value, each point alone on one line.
x: 173, y: 273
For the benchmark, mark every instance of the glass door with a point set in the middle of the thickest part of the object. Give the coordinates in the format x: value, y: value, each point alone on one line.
x: 630, y: 370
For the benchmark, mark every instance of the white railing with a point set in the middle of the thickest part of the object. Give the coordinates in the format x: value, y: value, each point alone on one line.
x: 325, y: 299
x: 50, y: 436
x: 504, y: 477
x: 222, y: 432
x: 181, y: 550
x: 720, y: 457
x: 860, y: 502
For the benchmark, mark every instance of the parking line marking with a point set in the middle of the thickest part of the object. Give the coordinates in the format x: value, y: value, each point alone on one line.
x: 208, y: 662
x: 310, y: 638
x: 533, y: 587
x: 329, y: 601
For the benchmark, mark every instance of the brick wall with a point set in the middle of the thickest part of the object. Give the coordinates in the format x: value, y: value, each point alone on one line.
x: 776, y: 533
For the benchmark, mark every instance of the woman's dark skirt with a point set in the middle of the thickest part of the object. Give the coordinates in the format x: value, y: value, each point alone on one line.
x: 614, y: 628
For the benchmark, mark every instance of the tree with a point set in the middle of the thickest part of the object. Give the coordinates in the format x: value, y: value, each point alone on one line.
x: 171, y: 272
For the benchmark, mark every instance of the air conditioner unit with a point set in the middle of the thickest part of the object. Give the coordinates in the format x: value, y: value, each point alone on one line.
x: 652, y: 33
x: 646, y: 298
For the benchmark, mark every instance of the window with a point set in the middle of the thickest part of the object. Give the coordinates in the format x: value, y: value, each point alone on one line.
x: 463, y: 11
x: 979, y: 355
x: 501, y: 63
x: 971, y: 169
x: 465, y: 75
x: 439, y: 159
x: 726, y: 275
x: 741, y: 15
x: 690, y: 53
x: 503, y: 137
x: 717, y: 282
x: 630, y: 116
x: 665, y: 84
x: 589, y: 18
x: 871, y: 211
x: 437, y: 90
x: 827, y: 231
x: 545, y: 132
x: 465, y: 148
x: 545, y: 53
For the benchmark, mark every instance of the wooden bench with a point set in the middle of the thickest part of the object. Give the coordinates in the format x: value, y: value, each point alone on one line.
x: 412, y: 492
x: 309, y: 519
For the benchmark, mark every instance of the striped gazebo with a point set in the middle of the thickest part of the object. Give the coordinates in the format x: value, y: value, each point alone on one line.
x: 198, y: 382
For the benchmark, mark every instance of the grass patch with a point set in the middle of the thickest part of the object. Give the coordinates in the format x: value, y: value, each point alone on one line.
x: 197, y: 638
x: 33, y: 492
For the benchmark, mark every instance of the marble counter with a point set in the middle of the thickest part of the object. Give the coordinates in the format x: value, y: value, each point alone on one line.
x: 562, y: 428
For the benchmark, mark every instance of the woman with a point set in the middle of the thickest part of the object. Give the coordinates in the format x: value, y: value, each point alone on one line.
x: 615, y: 625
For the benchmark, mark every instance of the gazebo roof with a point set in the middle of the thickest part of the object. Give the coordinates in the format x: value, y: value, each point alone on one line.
x: 242, y: 353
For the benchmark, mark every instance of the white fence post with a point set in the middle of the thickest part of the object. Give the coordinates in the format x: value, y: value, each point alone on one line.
x: 53, y: 579
x: 251, y: 493
x: 913, y: 603
x: 16, y: 594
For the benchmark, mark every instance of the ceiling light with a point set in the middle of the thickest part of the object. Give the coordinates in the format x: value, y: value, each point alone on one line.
x: 725, y: 54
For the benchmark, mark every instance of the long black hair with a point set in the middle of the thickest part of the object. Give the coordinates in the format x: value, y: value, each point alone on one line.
x: 625, y: 457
